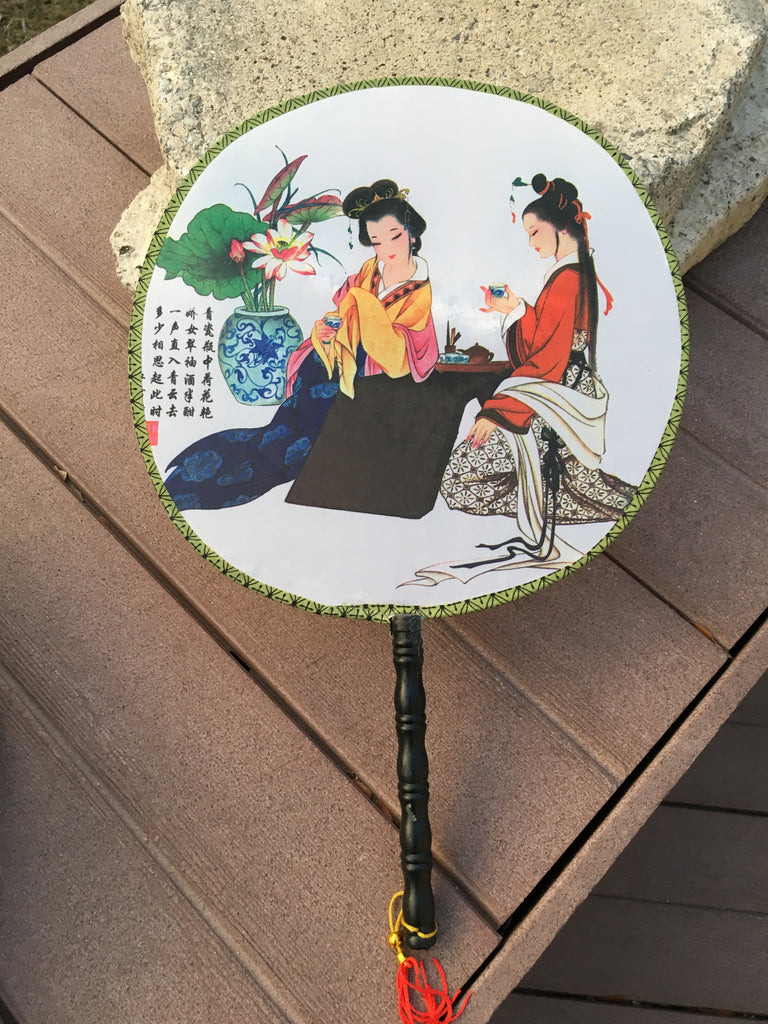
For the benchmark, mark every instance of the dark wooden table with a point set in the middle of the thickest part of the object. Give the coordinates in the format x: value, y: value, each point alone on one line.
x: 385, y: 452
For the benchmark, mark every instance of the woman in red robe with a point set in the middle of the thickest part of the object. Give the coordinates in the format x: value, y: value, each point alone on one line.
x: 535, y: 447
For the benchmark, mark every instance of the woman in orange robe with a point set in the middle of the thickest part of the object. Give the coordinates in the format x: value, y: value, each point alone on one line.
x: 384, y: 315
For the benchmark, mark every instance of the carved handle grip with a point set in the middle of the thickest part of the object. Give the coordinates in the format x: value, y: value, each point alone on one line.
x: 413, y: 784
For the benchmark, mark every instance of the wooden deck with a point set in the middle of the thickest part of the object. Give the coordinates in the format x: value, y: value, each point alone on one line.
x: 199, y: 794
x: 675, y: 933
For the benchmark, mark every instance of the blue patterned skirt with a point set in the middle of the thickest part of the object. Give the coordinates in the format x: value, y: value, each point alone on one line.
x: 233, y: 467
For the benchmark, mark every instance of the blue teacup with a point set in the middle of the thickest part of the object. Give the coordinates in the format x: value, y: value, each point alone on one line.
x: 497, y: 289
x: 333, y: 321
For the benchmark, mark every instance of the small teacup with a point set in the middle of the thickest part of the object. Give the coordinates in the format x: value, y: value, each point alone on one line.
x: 497, y: 289
x: 332, y: 320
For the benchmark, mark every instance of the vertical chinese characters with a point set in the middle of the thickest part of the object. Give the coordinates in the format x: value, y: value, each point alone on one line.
x: 180, y: 375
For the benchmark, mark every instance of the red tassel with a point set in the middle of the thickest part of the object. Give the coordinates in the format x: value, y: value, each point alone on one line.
x: 438, y: 1004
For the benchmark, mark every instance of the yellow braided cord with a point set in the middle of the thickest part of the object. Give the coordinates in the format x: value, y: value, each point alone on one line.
x: 395, y: 924
x: 422, y: 935
x: 394, y: 929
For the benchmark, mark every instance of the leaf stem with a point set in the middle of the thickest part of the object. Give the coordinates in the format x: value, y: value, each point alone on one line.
x: 247, y: 294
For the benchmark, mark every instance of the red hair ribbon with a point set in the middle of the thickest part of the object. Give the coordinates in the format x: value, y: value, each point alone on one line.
x: 608, y: 297
x: 581, y: 214
x: 581, y: 218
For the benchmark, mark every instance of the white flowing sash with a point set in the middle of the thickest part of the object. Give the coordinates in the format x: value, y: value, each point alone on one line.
x: 580, y: 421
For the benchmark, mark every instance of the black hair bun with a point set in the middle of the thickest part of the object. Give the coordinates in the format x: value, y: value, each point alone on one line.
x: 359, y: 199
x: 559, y: 190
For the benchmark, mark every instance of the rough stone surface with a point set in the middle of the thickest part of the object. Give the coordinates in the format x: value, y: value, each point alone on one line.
x: 732, y: 182
x: 130, y: 239
x: 659, y: 80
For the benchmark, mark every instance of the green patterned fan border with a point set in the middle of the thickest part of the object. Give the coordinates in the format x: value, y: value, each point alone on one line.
x: 382, y: 612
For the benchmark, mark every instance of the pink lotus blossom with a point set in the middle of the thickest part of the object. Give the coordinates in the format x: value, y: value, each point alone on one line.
x: 281, y: 250
x: 236, y: 251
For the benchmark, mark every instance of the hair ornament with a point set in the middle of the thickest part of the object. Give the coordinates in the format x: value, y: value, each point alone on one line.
x: 362, y: 204
x: 517, y: 183
x: 581, y: 213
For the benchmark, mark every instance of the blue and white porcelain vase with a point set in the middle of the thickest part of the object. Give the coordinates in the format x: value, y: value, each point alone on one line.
x: 253, y: 353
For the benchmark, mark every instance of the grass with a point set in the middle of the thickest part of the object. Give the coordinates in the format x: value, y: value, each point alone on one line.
x: 20, y: 20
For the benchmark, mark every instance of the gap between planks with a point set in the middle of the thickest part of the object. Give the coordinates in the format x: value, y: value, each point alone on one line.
x: 636, y: 1004
x: 21, y: 60
x: 57, y: 96
x: 106, y: 305
x: 713, y: 808
x: 708, y: 907
x: 730, y: 309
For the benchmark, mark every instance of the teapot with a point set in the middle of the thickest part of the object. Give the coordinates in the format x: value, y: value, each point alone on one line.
x: 478, y: 354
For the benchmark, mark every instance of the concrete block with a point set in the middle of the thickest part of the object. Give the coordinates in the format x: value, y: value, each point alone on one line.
x: 658, y: 81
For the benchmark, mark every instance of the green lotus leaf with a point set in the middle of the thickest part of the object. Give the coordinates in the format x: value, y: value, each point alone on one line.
x: 201, y: 256
x: 310, y: 211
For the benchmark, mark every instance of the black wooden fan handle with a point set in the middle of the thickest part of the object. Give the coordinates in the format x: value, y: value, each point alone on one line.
x: 420, y: 931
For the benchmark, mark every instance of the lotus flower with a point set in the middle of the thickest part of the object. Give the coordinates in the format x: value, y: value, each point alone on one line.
x: 236, y: 251
x: 279, y: 250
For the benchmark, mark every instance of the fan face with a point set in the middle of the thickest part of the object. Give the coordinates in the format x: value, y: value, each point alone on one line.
x: 326, y: 464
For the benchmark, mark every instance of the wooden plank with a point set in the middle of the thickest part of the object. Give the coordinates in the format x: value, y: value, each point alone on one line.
x: 695, y: 857
x: 22, y: 58
x: 84, y: 77
x: 732, y: 772
x: 617, y: 688
x: 753, y: 710
x: 699, y: 541
x: 308, y: 660
x: 680, y: 956
x: 735, y: 276
x: 65, y: 187
x: 286, y: 860
x: 521, y: 1008
x: 92, y: 928
x: 725, y: 416
x: 532, y: 930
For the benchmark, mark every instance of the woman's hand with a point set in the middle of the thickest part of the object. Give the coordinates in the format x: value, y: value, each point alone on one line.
x: 504, y: 304
x: 325, y: 334
x: 481, y: 431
